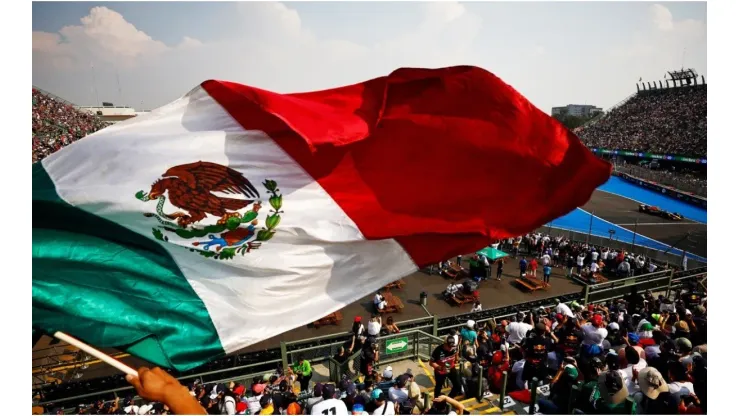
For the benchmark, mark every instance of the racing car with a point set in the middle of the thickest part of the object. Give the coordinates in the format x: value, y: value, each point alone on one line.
x: 654, y: 210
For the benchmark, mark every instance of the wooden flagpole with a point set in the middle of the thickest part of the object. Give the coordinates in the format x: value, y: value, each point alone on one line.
x: 96, y: 353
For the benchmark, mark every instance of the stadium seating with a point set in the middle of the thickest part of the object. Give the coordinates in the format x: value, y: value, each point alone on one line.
x: 664, y: 121
x: 57, y: 124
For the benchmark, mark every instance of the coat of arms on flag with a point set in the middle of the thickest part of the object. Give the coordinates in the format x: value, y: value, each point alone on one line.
x: 191, y: 188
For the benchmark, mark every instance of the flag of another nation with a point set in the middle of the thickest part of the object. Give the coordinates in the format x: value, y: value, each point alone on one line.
x: 234, y: 214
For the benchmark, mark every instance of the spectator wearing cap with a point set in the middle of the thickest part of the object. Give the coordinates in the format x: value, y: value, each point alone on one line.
x: 613, y: 395
x: 330, y: 404
x: 444, y: 362
x: 382, y: 406
x: 654, y: 397
x: 594, y: 334
x: 681, y: 330
x: 357, y: 327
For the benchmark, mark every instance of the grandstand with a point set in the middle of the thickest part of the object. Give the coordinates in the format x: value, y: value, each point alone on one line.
x: 57, y: 123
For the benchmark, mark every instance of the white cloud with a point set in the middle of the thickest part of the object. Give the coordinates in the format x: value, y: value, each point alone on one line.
x: 272, y: 47
x: 662, y: 17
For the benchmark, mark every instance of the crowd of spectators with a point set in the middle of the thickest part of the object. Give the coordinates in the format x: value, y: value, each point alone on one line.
x: 638, y: 355
x: 56, y: 124
x: 579, y: 260
x: 665, y: 121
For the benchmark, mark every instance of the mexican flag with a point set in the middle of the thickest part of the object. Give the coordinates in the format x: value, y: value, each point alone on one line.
x: 234, y: 214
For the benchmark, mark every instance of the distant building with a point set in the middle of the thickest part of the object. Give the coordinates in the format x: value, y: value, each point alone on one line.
x: 110, y: 113
x: 577, y: 110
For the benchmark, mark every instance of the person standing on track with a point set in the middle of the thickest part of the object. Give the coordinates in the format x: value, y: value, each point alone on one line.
x: 499, y: 269
x: 444, y: 361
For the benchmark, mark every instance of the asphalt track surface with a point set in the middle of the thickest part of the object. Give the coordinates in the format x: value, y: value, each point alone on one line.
x: 624, y: 212
x: 613, y: 208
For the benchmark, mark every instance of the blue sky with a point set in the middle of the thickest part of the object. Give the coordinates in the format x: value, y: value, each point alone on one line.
x: 554, y: 53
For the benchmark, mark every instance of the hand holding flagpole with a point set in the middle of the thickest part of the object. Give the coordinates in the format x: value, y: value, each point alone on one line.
x: 96, y: 353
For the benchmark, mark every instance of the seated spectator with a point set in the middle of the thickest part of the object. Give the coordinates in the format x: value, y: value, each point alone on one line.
x: 560, y: 390
x: 390, y: 326
x: 330, y: 404
x: 654, y: 397
x: 613, y: 395
x: 379, y: 301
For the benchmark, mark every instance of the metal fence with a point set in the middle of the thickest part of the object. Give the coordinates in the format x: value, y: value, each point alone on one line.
x: 664, y: 178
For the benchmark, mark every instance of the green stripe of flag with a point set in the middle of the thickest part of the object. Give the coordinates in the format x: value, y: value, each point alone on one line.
x: 111, y: 287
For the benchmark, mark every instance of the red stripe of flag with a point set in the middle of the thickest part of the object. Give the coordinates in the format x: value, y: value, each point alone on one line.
x: 443, y: 160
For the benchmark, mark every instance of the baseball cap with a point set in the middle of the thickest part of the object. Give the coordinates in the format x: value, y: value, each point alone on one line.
x: 597, y: 320
x: 571, y: 371
x: 612, y: 388
x: 614, y: 326
x: 357, y: 409
x: 239, y: 389
x: 358, y: 319
x: 647, y: 326
x: 377, y: 394
x: 241, y: 407
x: 651, y: 382
x: 682, y: 326
x: 683, y: 344
x: 388, y: 372
x: 559, y: 317
x: 328, y: 391
x: 471, y: 324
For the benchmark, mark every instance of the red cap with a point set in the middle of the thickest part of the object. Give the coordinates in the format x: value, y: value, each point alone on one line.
x: 596, y: 320
x: 358, y: 319
x: 239, y: 390
x: 590, y: 308
x: 241, y: 406
x: 498, y: 357
x: 559, y: 317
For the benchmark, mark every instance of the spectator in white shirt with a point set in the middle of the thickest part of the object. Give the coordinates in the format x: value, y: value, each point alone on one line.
x: 373, y: 326
x: 594, y: 334
x: 632, y: 356
x: 579, y: 262
x: 477, y: 307
x: 399, y: 393
x: 563, y: 309
x: 518, y: 330
x: 546, y: 260
x: 678, y: 378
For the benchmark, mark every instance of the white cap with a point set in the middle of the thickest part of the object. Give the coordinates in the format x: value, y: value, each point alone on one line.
x: 471, y: 324
x: 388, y: 372
x: 614, y: 326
